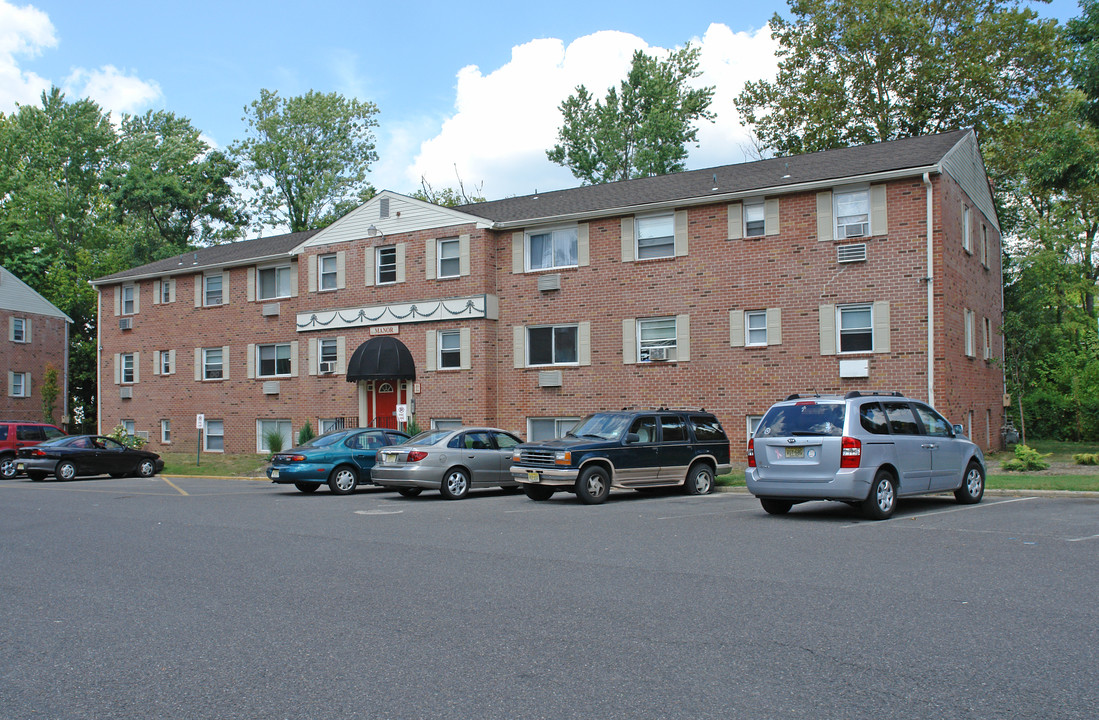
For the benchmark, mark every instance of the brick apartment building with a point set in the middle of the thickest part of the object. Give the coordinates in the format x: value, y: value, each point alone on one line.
x: 36, y: 337
x: 726, y: 288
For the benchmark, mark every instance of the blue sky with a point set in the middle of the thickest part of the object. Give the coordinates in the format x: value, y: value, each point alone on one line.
x: 464, y: 89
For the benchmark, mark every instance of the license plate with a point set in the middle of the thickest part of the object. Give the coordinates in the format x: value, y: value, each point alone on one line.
x: 533, y: 476
x: 389, y: 457
x: 795, y: 452
x: 274, y: 474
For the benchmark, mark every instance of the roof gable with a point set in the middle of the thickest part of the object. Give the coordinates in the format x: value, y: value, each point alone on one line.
x: 18, y: 296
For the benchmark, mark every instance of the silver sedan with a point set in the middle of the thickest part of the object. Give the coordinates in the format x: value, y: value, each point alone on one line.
x: 454, y: 461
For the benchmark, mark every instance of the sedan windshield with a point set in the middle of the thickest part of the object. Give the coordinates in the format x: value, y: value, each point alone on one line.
x: 601, y: 426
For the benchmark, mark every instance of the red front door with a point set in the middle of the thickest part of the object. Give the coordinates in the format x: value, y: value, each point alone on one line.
x: 385, y: 404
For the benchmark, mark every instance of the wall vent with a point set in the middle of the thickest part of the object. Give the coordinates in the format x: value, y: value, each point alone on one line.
x: 549, y: 282
x: 851, y: 253
x: 271, y: 309
x: 126, y: 393
x: 383, y: 208
x: 125, y: 323
x: 271, y: 387
x: 550, y: 378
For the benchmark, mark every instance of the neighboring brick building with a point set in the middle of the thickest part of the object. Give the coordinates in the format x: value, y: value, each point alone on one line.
x: 36, y: 337
x: 726, y: 288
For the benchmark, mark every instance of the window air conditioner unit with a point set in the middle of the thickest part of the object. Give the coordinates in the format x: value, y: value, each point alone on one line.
x: 853, y: 230
x: 270, y: 309
x: 143, y: 434
x: 658, y: 354
x: 271, y: 387
x: 851, y: 253
x: 125, y: 323
x: 126, y: 393
x: 550, y: 378
x: 326, y: 368
x: 549, y: 282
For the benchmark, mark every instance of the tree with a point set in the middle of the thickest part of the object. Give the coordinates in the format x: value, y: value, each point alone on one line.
x: 305, y: 155
x: 641, y: 128
x: 861, y: 71
x: 449, y: 197
x: 49, y: 392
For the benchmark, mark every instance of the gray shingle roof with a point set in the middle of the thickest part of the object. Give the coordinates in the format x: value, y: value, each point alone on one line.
x: 216, y: 256
x: 743, y: 177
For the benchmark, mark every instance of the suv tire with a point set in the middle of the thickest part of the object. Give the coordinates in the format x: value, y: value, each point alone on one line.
x: 537, y: 492
x: 776, y: 507
x: 593, y: 486
x: 700, y: 480
x: 882, y: 500
x: 973, y: 485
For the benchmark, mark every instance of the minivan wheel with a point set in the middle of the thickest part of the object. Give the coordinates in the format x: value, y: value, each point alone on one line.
x: 776, y: 507
x: 882, y: 500
x: 973, y: 485
x: 343, y: 480
x: 593, y: 486
x: 700, y: 480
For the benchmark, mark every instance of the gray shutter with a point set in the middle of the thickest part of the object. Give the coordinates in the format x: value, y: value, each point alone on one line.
x: 370, y: 263
x: 431, y: 351
x: 293, y: 279
x: 198, y: 289
x: 172, y: 362
x: 341, y: 353
x: 224, y: 287
x: 628, y: 239
x: 736, y: 328
x: 774, y: 326
x: 313, y: 351
x: 225, y: 362
x: 430, y: 247
x: 171, y: 289
x: 517, y: 243
x: 629, y: 341
x: 770, y: 215
x: 463, y: 255
x: 137, y: 367
x: 400, y: 262
x: 825, y: 229
x: 683, y: 337
x: 117, y: 300
x: 881, y: 326
x: 466, y: 351
x: 519, y: 346
x: 156, y: 292
x: 251, y: 275
x: 879, y: 220
x: 583, y: 245
x: 341, y: 269
x: 294, y: 360
x: 736, y: 221
x: 680, y: 233
x: 198, y: 364
x: 584, y: 342
x: 117, y: 368
x: 312, y: 273
x: 250, y: 361
x: 827, y: 329
x: 27, y: 324
x: 156, y: 362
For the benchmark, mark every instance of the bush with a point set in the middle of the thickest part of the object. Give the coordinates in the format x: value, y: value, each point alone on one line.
x: 1026, y: 458
x: 412, y: 427
x: 306, y: 433
x: 273, y: 438
x: 1086, y: 458
x: 119, y: 433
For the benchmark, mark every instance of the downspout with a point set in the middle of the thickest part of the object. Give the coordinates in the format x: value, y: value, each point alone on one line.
x: 98, y: 361
x: 930, y: 280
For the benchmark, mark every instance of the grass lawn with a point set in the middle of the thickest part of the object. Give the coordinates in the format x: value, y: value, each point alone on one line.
x: 214, y: 464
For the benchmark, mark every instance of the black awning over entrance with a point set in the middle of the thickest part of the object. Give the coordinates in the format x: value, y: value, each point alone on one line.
x: 381, y: 358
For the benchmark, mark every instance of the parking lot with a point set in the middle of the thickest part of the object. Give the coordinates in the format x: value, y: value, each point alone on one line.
x: 190, y: 597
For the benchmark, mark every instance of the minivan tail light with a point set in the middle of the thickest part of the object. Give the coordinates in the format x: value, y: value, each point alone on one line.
x: 850, y: 452
x: 751, y: 452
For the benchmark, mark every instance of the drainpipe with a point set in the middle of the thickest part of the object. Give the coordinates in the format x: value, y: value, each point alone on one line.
x: 930, y: 280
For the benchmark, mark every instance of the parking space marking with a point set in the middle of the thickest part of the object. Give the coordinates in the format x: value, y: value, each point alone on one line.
x: 178, y: 489
x: 920, y: 516
x: 1083, y: 539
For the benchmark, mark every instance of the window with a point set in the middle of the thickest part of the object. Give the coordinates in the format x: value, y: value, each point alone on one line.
x: 934, y: 423
x: 450, y: 350
x: 166, y: 432
x: 673, y: 429
x: 656, y: 339
x: 273, y: 360
x: 266, y: 427
x: 166, y: 290
x: 166, y: 362
x: 644, y: 428
x: 873, y: 420
x: 212, y: 364
x: 655, y: 236
x: 755, y: 218
x: 211, y: 285
x: 984, y: 245
x: 970, y: 344
x: 387, y: 265
x: 328, y: 425
x: 856, y: 329
x: 446, y: 423
x: 539, y: 429
x: 852, y: 213
x: 213, y: 439
x: 19, y: 330
x: 20, y: 384
x: 550, y: 249
x: 127, y: 300
x: 900, y: 417
x: 128, y: 427
x: 966, y: 241
x: 328, y: 349
x: 273, y: 282
x: 988, y: 339
x: 755, y: 327
x: 555, y: 345
x: 127, y: 367
x: 450, y: 258
x: 707, y: 428
x: 327, y: 269
x: 751, y: 422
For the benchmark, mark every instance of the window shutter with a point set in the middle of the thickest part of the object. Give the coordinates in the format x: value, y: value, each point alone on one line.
x: 198, y: 364
x: 463, y: 255
x: 341, y: 353
x: 294, y: 352
x: 629, y: 341
x: 774, y: 326
x: 825, y: 229
x: 827, y: 329
x: 156, y: 292
x: 628, y: 239
x: 11, y: 329
x: 770, y: 216
x: 27, y: 330
x: 879, y: 220
x: 251, y: 275
x: 341, y: 269
x: 224, y: 289
x: 430, y: 246
x: 171, y: 289
x: 584, y: 342
x: 518, y: 346
x: 881, y: 326
x: 11, y: 383
x: 736, y: 221
x: 431, y: 351
x: 312, y: 273
x: 736, y: 328
x: 583, y: 245
x: 225, y: 362
x: 117, y: 300
x: 251, y: 361
x: 400, y: 262
x: 293, y: 279
x: 172, y: 362
x: 313, y: 352
x: 517, y: 243
x: 680, y: 233
x: 137, y: 367
x: 156, y: 362
x: 137, y: 298
x: 117, y: 368
x: 198, y: 290
x: 371, y: 262
x: 465, y: 345
x: 683, y: 338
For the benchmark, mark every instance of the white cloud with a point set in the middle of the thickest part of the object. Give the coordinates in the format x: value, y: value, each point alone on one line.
x: 113, y: 90
x: 504, y: 122
x: 24, y: 31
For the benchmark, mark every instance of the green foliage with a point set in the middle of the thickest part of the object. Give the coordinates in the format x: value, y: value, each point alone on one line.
x: 306, y: 433
x: 861, y: 71
x: 640, y: 129
x: 273, y: 440
x: 412, y: 427
x: 1086, y: 458
x: 1026, y: 458
x: 305, y: 155
x: 119, y: 433
x: 49, y: 390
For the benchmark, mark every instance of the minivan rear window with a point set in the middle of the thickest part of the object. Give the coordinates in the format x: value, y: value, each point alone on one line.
x: 803, y: 418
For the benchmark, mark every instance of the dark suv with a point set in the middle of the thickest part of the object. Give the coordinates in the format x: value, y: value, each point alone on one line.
x: 636, y: 449
x: 15, y: 434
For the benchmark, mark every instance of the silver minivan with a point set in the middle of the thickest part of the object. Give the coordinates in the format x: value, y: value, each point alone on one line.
x: 864, y: 449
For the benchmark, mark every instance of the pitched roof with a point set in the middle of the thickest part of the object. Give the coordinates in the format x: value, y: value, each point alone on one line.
x: 18, y: 296
x: 770, y: 174
x: 232, y: 253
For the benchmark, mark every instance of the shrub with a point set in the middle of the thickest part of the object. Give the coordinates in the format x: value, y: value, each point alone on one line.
x: 273, y: 438
x: 119, y: 433
x: 1086, y: 458
x: 1026, y: 458
x: 306, y: 433
x: 412, y: 427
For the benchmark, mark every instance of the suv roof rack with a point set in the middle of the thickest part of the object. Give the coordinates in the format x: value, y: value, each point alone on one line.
x: 662, y: 408
x: 864, y: 393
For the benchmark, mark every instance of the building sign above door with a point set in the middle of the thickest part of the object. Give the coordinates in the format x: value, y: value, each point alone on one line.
x: 385, y: 330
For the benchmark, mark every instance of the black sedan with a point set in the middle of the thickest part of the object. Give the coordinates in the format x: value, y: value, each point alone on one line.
x: 73, y: 455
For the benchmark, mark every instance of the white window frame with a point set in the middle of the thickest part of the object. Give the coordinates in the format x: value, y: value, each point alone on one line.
x: 127, y: 304
x: 289, y: 359
x: 561, y: 425
x: 841, y: 311
x: 750, y: 209
x: 967, y: 241
x: 450, y: 346
x: 564, y: 233
x: 644, y: 231
x: 643, y: 345
x: 751, y: 422
x: 380, y: 267
x: 327, y: 275
x: 446, y: 423
x: 328, y: 350
x: 19, y: 330
x: 165, y: 362
x: 219, y: 427
x: 206, y: 290
x: 19, y: 385
x: 848, y: 195
x: 284, y: 427
x: 282, y: 277
x: 575, y: 327
x: 165, y: 432
x: 127, y: 373
x: 755, y: 316
x: 984, y: 245
x: 327, y: 425
x: 970, y: 332
x: 988, y: 339
x: 207, y: 366
x: 455, y: 258
x: 166, y: 290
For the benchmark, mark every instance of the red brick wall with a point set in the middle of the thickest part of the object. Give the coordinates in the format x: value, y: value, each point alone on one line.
x: 47, y: 347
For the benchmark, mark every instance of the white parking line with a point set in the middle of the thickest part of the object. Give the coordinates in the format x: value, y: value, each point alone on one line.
x: 944, y: 512
x: 1082, y: 539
